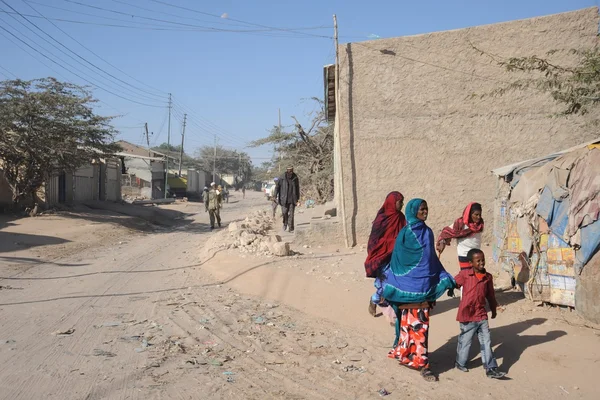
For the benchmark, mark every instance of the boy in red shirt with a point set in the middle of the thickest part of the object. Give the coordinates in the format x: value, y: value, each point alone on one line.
x: 477, y: 286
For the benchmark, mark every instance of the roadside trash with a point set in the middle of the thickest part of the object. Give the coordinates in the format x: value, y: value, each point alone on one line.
x: 8, y: 288
x: 382, y: 392
x: 216, y: 363
x: 336, y: 362
x: 103, y: 353
x: 130, y: 338
x: 230, y: 379
x: 196, y: 361
x: 9, y: 341
x: 204, y: 321
x: 154, y: 365
x: 65, y: 333
x: 309, y: 203
x: 352, y: 368
x: 259, y: 320
x: 228, y: 373
x: 108, y: 325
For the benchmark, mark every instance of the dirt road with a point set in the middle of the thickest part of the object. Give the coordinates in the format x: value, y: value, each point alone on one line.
x: 153, y: 316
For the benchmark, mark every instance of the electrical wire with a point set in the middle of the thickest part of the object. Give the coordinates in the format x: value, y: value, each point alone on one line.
x: 267, y: 29
x: 200, y: 20
x: 4, y: 69
x: 67, y: 69
x: 63, y: 61
x: 83, y: 58
x: 240, y: 21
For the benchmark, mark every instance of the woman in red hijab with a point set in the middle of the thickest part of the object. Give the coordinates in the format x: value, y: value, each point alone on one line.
x: 467, y: 231
x: 388, y: 222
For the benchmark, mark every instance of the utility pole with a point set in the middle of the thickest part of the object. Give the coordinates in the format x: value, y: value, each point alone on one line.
x: 215, y: 161
x: 182, y: 138
x: 148, y: 139
x: 337, y: 146
x: 168, y: 148
x: 279, y: 152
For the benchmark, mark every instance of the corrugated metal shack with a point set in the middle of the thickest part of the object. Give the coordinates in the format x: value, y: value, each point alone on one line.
x: 546, y: 222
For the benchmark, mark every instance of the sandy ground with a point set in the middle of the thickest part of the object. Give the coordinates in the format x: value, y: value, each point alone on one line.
x: 97, y: 309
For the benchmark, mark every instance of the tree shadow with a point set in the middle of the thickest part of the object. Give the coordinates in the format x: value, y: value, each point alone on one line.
x: 11, y: 241
x: 511, y: 346
x: 134, y: 217
x: 36, y: 261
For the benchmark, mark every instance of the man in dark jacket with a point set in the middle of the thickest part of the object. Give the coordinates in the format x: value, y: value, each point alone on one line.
x: 287, y: 193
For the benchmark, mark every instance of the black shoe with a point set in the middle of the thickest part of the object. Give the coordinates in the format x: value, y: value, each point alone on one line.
x: 495, y: 374
x: 284, y: 228
x: 219, y: 224
x: 212, y: 228
x: 291, y: 231
x: 461, y: 368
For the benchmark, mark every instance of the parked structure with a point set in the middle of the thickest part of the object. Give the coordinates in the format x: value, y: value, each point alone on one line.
x: 546, y: 228
x: 411, y: 115
x: 143, y: 177
x: 196, y: 180
x: 98, y: 180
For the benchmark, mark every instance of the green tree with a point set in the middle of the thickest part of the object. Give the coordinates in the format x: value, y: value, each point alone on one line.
x: 309, y: 150
x: 230, y: 162
x: 48, y: 126
x: 576, y: 87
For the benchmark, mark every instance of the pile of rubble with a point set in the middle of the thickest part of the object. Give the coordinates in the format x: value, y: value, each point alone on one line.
x: 253, y: 236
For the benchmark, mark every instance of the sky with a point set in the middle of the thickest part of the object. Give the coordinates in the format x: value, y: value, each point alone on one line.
x: 222, y: 61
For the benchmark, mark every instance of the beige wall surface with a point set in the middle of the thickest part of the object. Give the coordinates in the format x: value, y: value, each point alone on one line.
x: 412, y: 116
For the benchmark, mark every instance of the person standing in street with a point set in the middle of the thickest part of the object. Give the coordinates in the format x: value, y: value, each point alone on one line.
x: 273, y: 197
x: 205, y: 198
x: 287, y: 193
x: 213, y: 203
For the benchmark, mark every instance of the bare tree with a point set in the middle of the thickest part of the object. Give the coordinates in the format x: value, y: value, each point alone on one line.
x: 309, y: 150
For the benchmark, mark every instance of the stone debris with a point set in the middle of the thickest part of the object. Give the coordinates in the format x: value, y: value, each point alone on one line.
x: 254, y: 235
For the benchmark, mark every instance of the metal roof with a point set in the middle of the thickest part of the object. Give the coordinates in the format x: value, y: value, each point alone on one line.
x: 508, y: 169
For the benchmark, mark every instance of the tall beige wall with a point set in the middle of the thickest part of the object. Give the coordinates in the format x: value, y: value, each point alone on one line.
x: 412, y: 118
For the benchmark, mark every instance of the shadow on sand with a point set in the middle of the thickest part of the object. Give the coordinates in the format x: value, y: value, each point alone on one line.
x: 509, y: 339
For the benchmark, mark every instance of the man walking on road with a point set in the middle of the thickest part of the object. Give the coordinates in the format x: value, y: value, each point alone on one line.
x: 287, y: 192
x: 213, y: 202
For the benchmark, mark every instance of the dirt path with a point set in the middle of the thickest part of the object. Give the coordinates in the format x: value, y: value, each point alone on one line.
x: 150, y: 320
x: 548, y: 353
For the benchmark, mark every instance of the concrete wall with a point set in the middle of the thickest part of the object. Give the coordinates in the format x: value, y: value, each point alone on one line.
x: 423, y: 128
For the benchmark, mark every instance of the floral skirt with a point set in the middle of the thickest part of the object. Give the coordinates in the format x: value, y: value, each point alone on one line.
x: 414, y: 334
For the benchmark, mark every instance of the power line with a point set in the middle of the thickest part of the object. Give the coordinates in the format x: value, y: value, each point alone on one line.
x: 200, y: 20
x: 1, y: 67
x: 240, y: 21
x: 74, y: 53
x: 67, y: 69
x: 211, y: 124
x: 53, y: 45
x: 487, y: 78
x: 179, y: 23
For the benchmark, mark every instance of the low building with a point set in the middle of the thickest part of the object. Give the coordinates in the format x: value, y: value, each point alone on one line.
x: 143, y: 177
x: 547, y: 229
x: 98, y: 180
x: 416, y: 114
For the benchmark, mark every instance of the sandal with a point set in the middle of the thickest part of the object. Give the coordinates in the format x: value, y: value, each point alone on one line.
x: 372, y: 308
x: 428, y: 375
